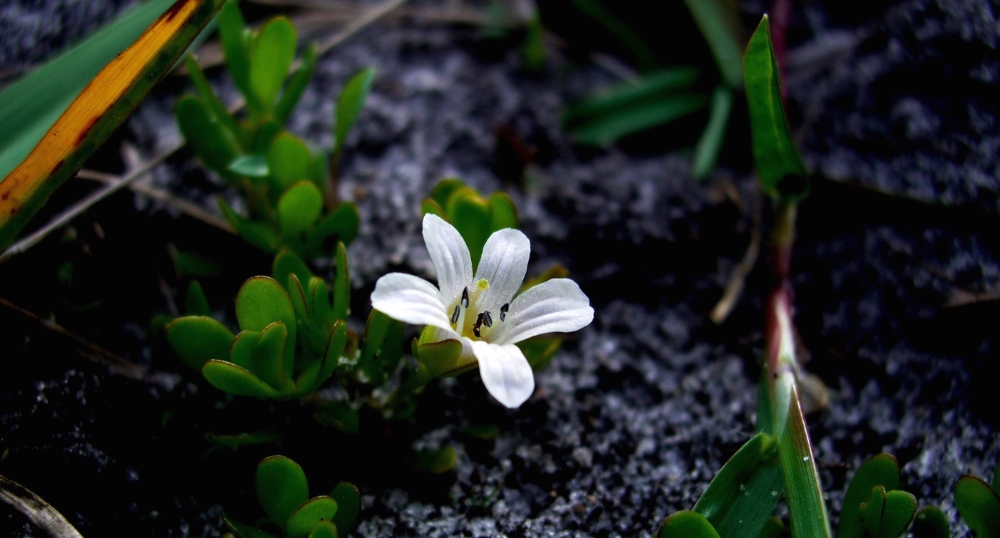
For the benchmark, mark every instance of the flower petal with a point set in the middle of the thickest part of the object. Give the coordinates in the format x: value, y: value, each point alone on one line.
x: 504, y: 262
x: 450, y: 256
x: 554, y: 306
x: 505, y: 372
x: 410, y: 299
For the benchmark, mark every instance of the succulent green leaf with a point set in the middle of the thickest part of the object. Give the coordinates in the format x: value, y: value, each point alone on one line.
x: 930, y: 523
x: 687, y: 524
x: 242, y: 349
x: 348, y: 506
x: 879, y: 470
x: 281, y: 487
x: 211, y: 100
x: 266, y: 134
x: 296, y: 85
x: 470, y: 214
x: 635, y: 106
x: 271, y: 54
x: 429, y: 206
x: 324, y: 529
x: 341, y: 285
x: 503, y: 212
x: 996, y: 478
x: 742, y: 496
x: 382, y: 348
x: 242, y: 530
x: 298, y: 209
x: 779, y: 165
x: 442, y: 359
x: 252, y: 166
x: 349, y: 106
x: 870, y: 512
x: 341, y: 225
x: 268, y: 361
x: 899, y: 509
x: 300, y: 304
x: 262, y: 301
x: 232, y: 29
x: 196, y: 339
x: 234, y: 379
x: 210, y: 140
x: 288, y: 263
x: 195, y: 302
x: 774, y: 528
x: 539, y: 351
x: 289, y: 161
x: 342, y: 416
x: 334, y: 347
x: 308, y: 515
x: 706, y: 153
x: 435, y: 460
x: 257, y: 234
x: 442, y: 191
x: 979, y: 506
x: 319, y: 301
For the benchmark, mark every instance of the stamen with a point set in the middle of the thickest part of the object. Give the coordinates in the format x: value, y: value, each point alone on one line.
x: 503, y: 311
x: 487, y: 318
x: 454, y: 316
x: 478, y: 324
x: 465, y: 297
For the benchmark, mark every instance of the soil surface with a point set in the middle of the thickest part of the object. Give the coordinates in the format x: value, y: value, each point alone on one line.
x: 895, y: 274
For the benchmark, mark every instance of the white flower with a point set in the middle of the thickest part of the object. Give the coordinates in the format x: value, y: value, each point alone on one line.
x: 481, y: 311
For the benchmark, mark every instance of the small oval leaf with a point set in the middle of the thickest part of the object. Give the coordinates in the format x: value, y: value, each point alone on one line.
x: 348, y: 506
x: 979, y: 506
x: 281, y: 487
x: 197, y: 339
x: 233, y: 379
x: 687, y: 524
x: 309, y: 514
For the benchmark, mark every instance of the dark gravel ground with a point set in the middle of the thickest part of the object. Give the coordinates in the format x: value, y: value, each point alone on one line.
x: 895, y: 106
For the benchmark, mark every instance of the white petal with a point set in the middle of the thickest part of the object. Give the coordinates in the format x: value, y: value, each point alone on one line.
x: 450, y: 256
x: 505, y: 372
x: 504, y: 262
x: 410, y: 299
x: 554, y: 306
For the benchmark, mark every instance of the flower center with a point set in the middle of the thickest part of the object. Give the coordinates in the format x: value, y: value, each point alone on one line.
x: 470, y: 318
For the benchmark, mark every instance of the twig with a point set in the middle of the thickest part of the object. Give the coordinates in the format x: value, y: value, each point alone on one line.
x: 41, y: 513
x: 85, y: 349
x: 737, y: 279
x: 369, y: 17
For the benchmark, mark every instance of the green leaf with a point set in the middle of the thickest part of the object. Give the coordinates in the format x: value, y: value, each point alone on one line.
x: 503, y: 212
x: 779, y: 165
x: 324, y: 529
x: 341, y: 285
x: 289, y: 161
x: 931, y: 523
x: 870, y: 512
x: 342, y: 416
x: 774, y: 528
x: 298, y: 209
x: 348, y: 506
x: 211, y: 100
x: 443, y: 359
x: 899, y: 509
x: 234, y: 379
x: 196, y: 339
x: 806, y: 508
x: 428, y: 206
x: 36, y: 101
x: 719, y: 22
x: 609, y: 128
x: 210, y: 140
x: 257, y: 234
x: 470, y: 214
x: 319, y: 301
x: 271, y: 54
x: 268, y: 131
x: 979, y: 506
x: 706, y: 153
x: 687, y: 524
x: 539, y: 351
x: 242, y: 350
x: 309, y: 514
x: 349, y: 106
x: 262, y: 301
x: 339, y: 226
x: 742, y: 496
x: 197, y: 265
x: 382, y: 348
x: 442, y: 191
x: 281, y: 487
x: 879, y: 470
x: 232, y: 34
x: 288, y: 263
x: 267, y: 361
x: 321, y: 370
x: 195, y: 302
x: 252, y: 166
x: 243, y: 530
x: 435, y: 460
x: 296, y: 85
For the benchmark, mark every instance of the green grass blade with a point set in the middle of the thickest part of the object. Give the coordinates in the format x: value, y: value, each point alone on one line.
x: 719, y: 22
x: 352, y: 99
x: 706, y: 153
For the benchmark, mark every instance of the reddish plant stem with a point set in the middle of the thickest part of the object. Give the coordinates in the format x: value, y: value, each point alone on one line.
x: 780, y: 15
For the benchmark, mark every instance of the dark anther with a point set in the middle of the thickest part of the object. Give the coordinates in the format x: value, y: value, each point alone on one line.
x: 454, y: 316
x: 487, y: 318
x: 503, y: 311
x: 479, y: 323
x: 465, y: 297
